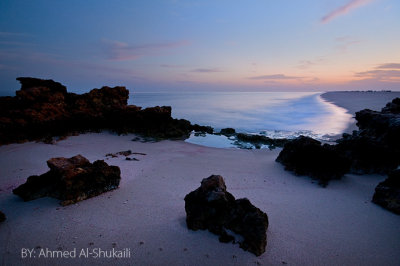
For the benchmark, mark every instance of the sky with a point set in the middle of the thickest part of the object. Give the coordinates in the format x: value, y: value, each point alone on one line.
x: 209, y: 45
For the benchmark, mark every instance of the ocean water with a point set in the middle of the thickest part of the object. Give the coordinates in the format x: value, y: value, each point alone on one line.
x: 274, y: 114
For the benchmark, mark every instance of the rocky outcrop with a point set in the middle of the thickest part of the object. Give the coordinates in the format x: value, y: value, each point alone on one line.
x: 228, y: 131
x: 2, y: 217
x: 387, y: 193
x: 306, y: 156
x: 71, y: 180
x: 42, y: 109
x: 259, y: 140
x: 212, y: 207
x: 375, y: 147
x: 203, y: 129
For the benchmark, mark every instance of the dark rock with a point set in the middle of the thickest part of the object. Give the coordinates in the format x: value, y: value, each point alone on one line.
x: 2, y: 217
x: 28, y: 83
x: 259, y: 140
x: 131, y: 159
x: 367, y: 155
x: 123, y: 153
x: 375, y: 147
x: 392, y: 107
x: 227, y: 131
x: 306, y: 156
x: 43, y: 109
x: 387, y: 193
x: 71, y: 180
x: 212, y: 207
x: 203, y: 129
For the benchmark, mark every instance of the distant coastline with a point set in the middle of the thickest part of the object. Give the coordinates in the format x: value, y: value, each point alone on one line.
x: 354, y: 101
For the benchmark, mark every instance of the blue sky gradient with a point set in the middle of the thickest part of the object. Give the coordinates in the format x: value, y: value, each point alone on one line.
x: 174, y: 45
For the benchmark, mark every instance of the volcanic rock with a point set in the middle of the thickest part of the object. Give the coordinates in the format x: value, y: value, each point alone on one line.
x: 258, y: 140
x: 43, y: 109
x: 306, y: 156
x: 228, y: 131
x: 203, y: 129
x: 375, y: 147
x: 2, y: 217
x: 71, y: 180
x: 212, y: 207
x: 387, y: 193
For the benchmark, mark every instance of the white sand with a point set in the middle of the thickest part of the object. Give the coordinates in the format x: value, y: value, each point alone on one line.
x: 354, y: 101
x: 309, y: 225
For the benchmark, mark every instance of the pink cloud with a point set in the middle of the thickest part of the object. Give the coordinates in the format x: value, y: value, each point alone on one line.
x: 121, y: 51
x: 389, y: 66
x: 275, y: 77
x: 351, y: 5
x: 207, y: 70
x: 381, y: 75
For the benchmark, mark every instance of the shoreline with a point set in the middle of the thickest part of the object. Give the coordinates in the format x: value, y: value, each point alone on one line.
x: 354, y: 101
x: 309, y: 225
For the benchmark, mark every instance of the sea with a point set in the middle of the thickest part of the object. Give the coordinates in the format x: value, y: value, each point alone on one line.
x: 272, y: 114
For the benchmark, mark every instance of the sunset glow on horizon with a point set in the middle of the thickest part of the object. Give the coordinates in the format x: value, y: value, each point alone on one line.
x: 174, y: 45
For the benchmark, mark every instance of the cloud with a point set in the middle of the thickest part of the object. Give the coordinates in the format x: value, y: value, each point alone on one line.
x: 351, y: 5
x: 389, y: 66
x: 305, y: 64
x: 23, y: 60
x: 13, y: 34
x: 13, y: 43
x: 275, y: 77
x: 207, y: 70
x: 121, y: 51
x: 344, y: 42
x: 171, y: 66
x: 7, y: 67
x: 380, y: 75
x: 388, y: 72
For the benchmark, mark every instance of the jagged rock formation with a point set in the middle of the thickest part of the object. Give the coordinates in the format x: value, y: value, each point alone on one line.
x: 375, y: 147
x: 228, y: 131
x: 212, y: 207
x: 306, y: 156
x: 258, y: 140
x: 42, y: 109
x: 387, y: 193
x: 71, y: 180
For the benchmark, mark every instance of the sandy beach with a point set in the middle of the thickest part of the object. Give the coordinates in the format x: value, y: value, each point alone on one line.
x: 308, y: 224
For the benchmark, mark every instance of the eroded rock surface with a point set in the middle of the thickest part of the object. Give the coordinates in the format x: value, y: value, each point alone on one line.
x: 43, y: 109
x: 71, y: 180
x: 306, y: 156
x: 387, y: 193
x: 212, y: 207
